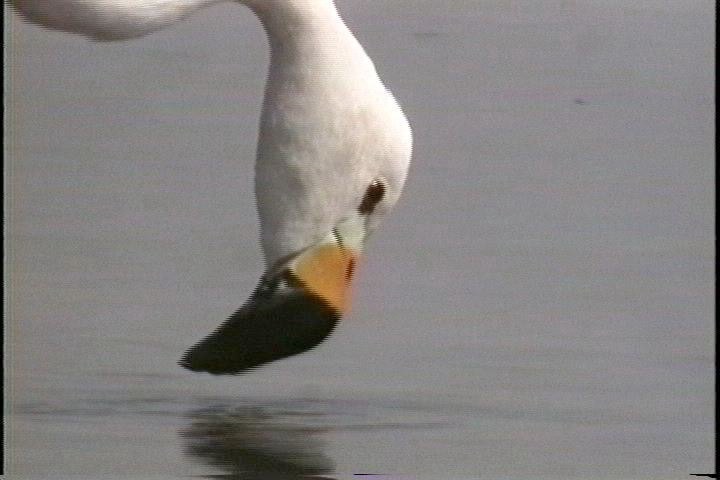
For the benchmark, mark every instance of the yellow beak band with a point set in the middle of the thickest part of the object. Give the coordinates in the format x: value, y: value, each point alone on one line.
x: 326, y: 271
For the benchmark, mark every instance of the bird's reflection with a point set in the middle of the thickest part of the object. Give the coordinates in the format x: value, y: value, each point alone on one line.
x: 256, y: 443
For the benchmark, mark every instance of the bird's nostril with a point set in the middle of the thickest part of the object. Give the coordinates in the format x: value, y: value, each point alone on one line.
x: 350, y: 270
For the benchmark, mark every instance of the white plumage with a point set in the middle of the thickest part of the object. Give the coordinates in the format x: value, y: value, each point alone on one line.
x: 329, y: 127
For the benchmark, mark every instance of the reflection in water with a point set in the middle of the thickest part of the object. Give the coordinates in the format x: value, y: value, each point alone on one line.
x: 250, y: 443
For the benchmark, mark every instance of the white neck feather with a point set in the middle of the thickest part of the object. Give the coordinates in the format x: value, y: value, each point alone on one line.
x: 329, y: 127
x: 106, y: 20
x: 123, y: 19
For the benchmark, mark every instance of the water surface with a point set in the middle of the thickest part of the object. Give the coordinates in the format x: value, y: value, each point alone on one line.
x: 539, y: 305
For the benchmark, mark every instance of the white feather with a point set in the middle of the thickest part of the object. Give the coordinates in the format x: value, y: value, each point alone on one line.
x: 108, y: 19
x: 328, y: 128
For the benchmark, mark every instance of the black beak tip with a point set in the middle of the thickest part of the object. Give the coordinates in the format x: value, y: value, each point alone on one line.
x: 262, y: 331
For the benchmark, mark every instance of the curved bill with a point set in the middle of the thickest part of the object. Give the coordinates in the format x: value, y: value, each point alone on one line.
x: 294, y: 308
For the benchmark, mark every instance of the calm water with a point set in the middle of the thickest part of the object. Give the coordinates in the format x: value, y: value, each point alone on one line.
x: 540, y: 304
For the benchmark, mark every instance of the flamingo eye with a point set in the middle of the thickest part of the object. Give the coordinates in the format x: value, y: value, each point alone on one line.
x: 373, y: 195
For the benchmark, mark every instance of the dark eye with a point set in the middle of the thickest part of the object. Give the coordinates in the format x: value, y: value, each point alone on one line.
x: 373, y: 195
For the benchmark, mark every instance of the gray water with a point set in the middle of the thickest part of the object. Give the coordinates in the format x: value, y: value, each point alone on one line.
x: 539, y: 305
